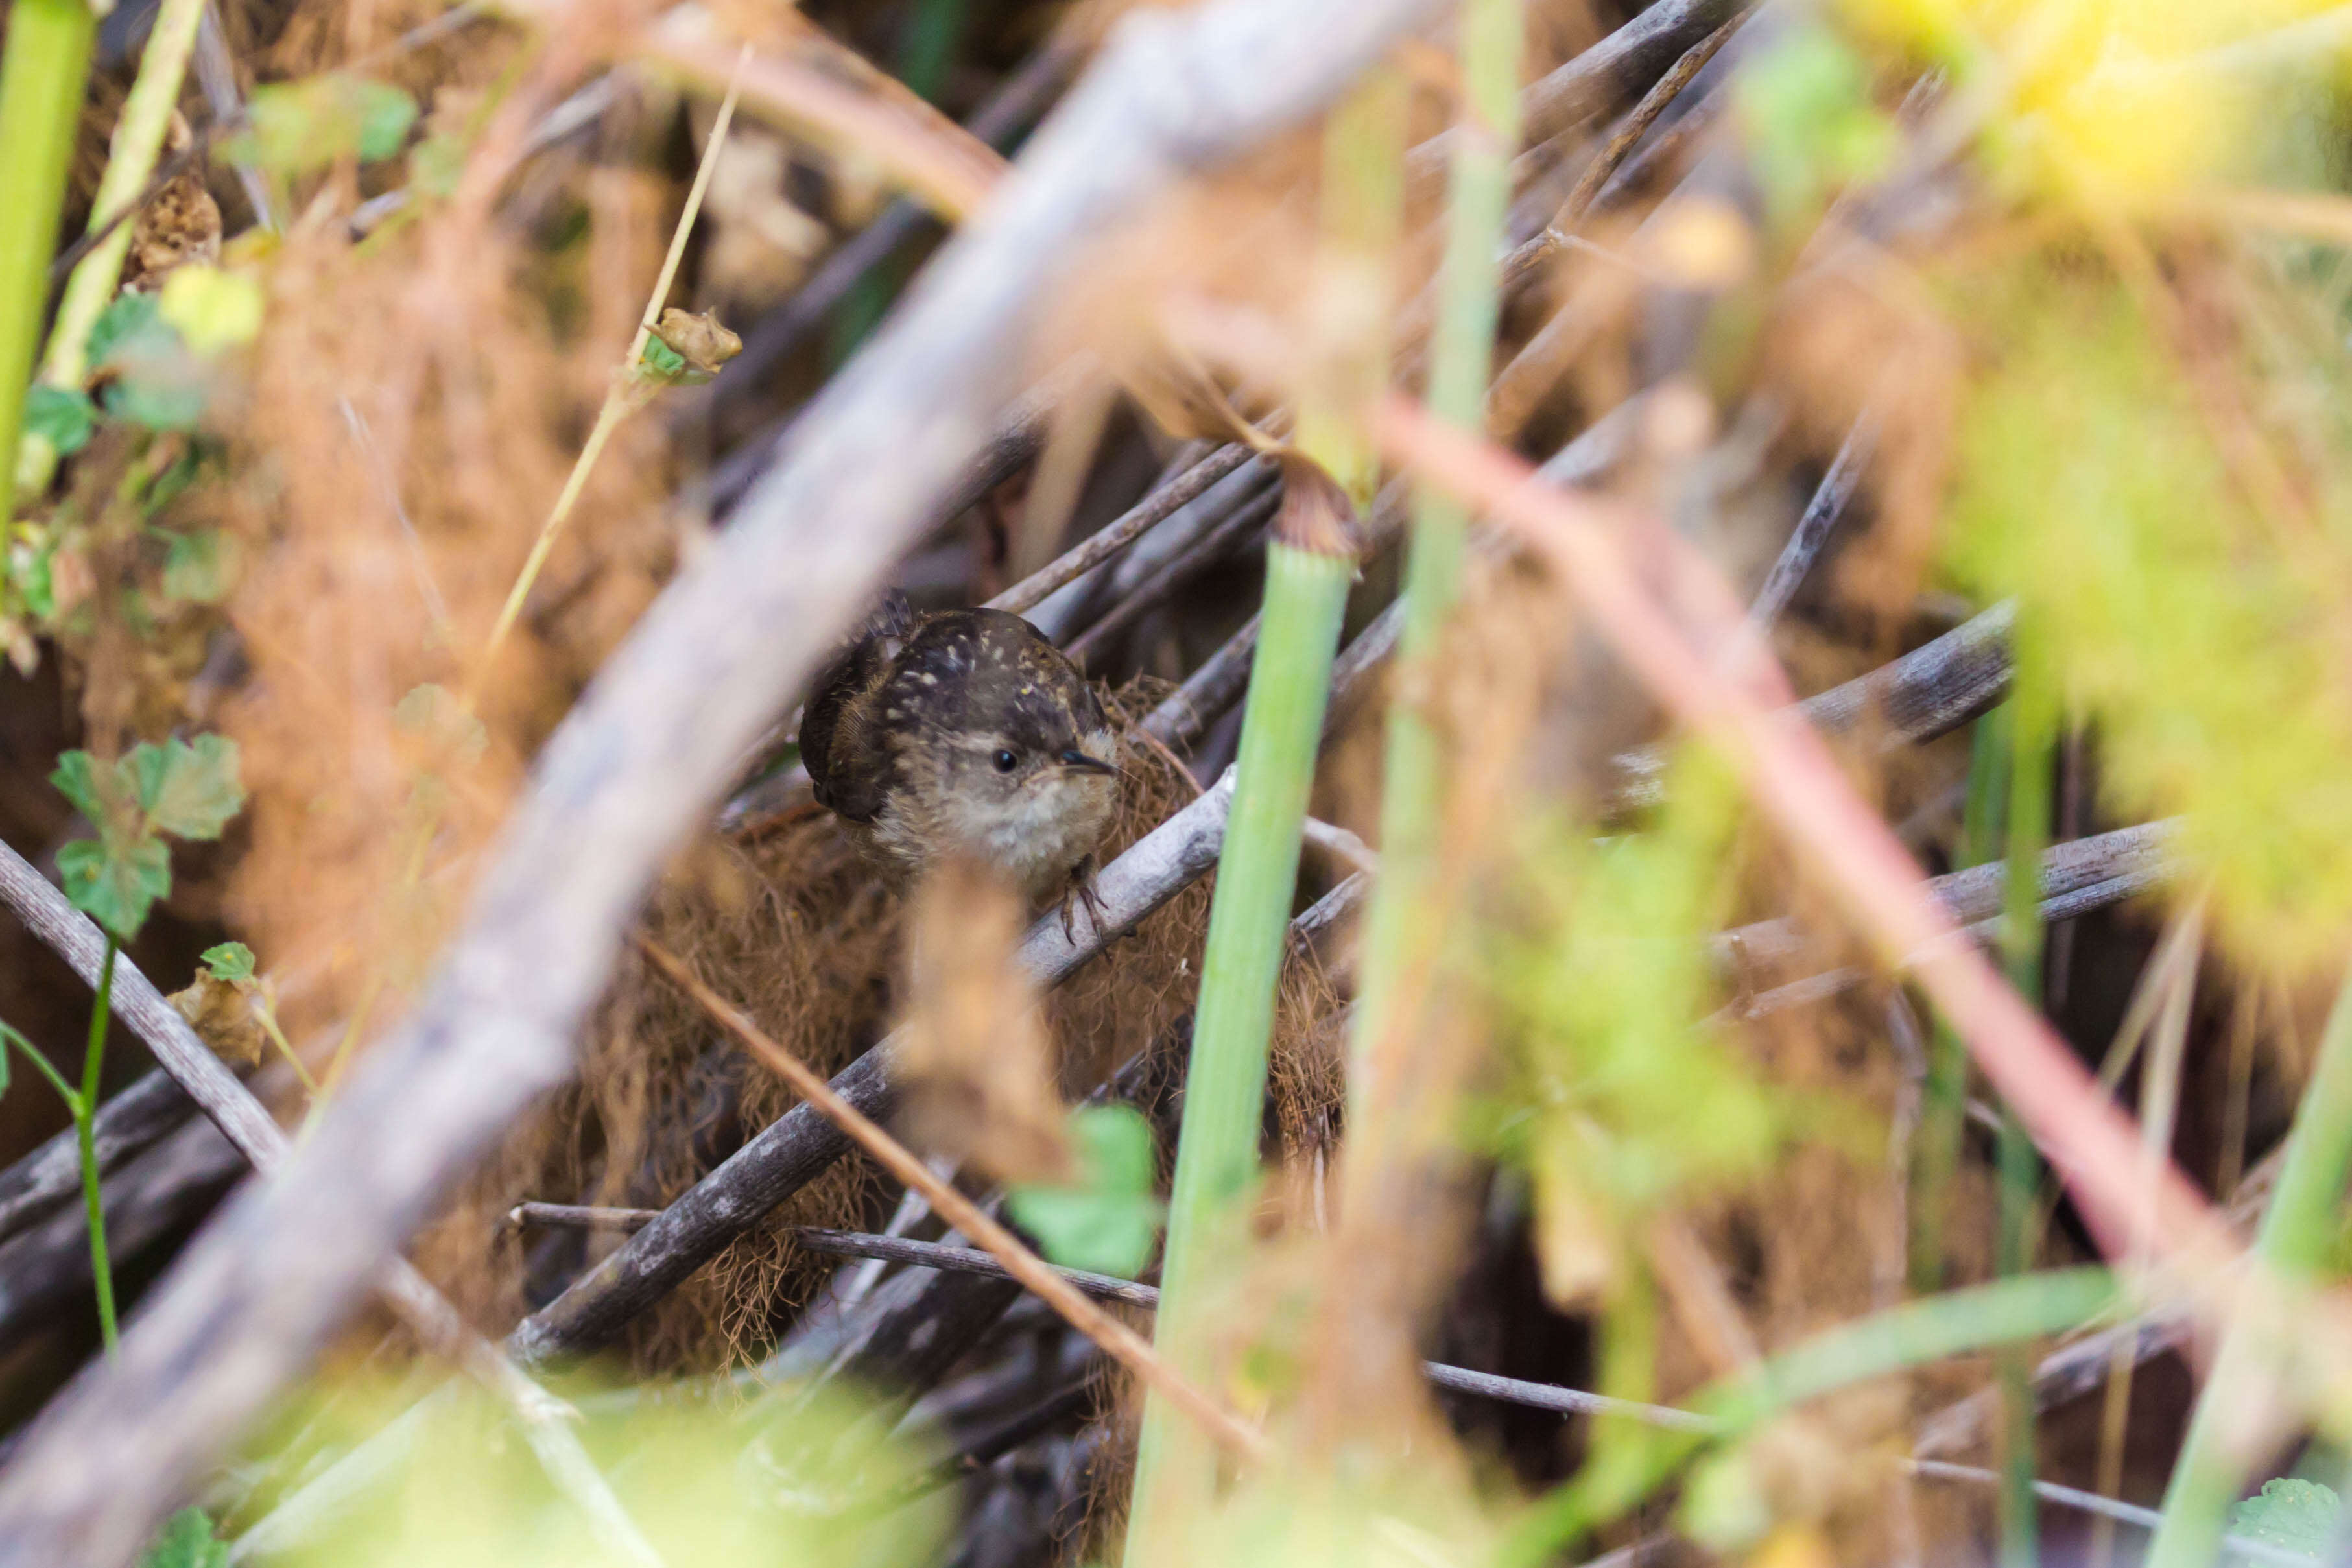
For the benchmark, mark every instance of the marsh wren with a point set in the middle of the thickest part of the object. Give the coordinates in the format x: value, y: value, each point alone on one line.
x: 964, y: 732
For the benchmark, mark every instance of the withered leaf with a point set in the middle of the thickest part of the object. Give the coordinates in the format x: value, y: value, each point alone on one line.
x: 701, y: 341
x: 222, y: 1017
x: 977, y: 1063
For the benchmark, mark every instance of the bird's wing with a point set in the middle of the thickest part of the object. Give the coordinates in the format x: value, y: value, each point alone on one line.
x: 838, y: 741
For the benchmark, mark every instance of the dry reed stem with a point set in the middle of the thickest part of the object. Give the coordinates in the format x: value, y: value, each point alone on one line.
x: 1132, y: 1349
x: 1524, y: 261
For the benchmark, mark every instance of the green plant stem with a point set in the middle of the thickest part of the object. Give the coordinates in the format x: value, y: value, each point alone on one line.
x: 2032, y: 749
x: 1402, y: 926
x: 1914, y: 1334
x: 2292, y: 1250
x: 41, y: 81
x: 1224, y: 1088
x: 1943, y: 1109
x: 131, y: 158
x: 84, y: 1115
x: 1307, y: 583
x: 26, y: 1048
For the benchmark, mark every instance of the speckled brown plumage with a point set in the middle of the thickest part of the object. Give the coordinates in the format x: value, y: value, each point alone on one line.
x: 965, y: 732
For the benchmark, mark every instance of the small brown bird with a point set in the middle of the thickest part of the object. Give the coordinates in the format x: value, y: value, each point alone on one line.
x: 964, y: 731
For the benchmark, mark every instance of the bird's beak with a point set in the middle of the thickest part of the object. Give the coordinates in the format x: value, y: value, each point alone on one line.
x: 1078, y: 762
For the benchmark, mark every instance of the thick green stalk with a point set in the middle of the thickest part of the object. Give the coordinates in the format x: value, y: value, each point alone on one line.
x: 1224, y: 1088
x: 2032, y: 747
x: 1944, y: 1109
x: 84, y: 1115
x: 1401, y: 927
x: 130, y: 160
x: 1308, y: 570
x: 41, y: 81
x: 2293, y: 1250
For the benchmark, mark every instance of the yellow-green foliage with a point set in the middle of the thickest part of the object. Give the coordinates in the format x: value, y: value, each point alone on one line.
x: 2206, y: 648
x: 2123, y: 104
x: 1598, y: 977
x: 695, y: 1477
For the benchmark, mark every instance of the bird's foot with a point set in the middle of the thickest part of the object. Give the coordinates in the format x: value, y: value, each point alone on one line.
x: 1081, y: 893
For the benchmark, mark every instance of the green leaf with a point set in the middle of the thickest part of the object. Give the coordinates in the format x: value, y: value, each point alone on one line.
x: 231, y: 961
x: 77, y: 778
x: 2298, y: 1515
x: 213, y: 310
x: 385, y: 114
x: 115, y: 883
x: 187, y: 1541
x: 31, y: 573
x: 660, y: 363
x: 132, y: 320
x: 1724, y: 1505
x: 1805, y: 103
x: 62, y: 415
x: 430, y: 712
x: 298, y: 126
x: 165, y: 396
x: 188, y: 791
x: 1108, y: 1222
x: 158, y: 383
x: 198, y: 568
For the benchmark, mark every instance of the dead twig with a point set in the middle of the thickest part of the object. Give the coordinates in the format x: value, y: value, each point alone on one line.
x: 1206, y: 552
x: 1137, y: 521
x: 1608, y: 73
x: 1527, y: 259
x: 1819, y: 519
x: 1929, y: 691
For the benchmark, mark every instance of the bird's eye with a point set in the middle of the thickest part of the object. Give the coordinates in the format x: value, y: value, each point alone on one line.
x: 1005, y: 761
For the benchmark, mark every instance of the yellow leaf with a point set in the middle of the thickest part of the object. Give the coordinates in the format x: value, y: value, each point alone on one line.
x: 212, y: 309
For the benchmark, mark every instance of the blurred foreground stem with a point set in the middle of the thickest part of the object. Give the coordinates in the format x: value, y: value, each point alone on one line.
x: 1402, y: 926
x: 41, y: 80
x: 2292, y: 1251
x: 1309, y: 566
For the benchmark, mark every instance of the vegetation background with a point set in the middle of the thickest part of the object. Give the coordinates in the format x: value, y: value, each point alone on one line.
x: 1733, y: 626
